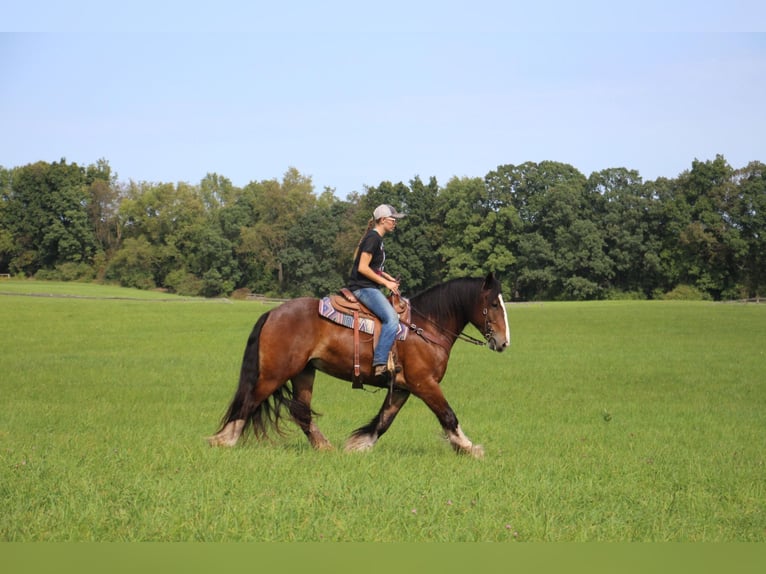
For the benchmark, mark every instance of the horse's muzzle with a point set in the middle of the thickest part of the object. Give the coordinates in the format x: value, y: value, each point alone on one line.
x: 496, y: 345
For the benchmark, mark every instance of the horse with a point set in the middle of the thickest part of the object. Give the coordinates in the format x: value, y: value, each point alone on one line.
x: 292, y: 341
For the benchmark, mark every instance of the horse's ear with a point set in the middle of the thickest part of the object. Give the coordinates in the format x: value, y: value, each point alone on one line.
x: 490, y: 280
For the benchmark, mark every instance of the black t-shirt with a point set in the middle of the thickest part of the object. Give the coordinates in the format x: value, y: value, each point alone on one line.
x: 372, y: 243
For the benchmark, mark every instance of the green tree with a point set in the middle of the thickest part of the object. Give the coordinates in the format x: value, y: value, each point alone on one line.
x: 208, y: 256
x: 277, y: 207
x: 47, y: 213
x: 103, y: 205
x: 710, y: 247
x: 482, y: 229
x: 134, y: 264
x: 749, y: 217
x: 353, y: 218
x: 158, y: 210
x: 163, y: 214
x: 418, y: 237
x: 582, y: 267
x: 527, y: 187
x: 624, y: 211
x: 535, y: 271
x: 8, y: 245
x: 216, y: 191
x: 309, y: 261
x: 560, y: 250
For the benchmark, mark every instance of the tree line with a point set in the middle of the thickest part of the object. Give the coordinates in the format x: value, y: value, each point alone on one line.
x: 548, y: 231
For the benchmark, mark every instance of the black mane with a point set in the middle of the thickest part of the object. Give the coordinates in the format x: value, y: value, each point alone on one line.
x: 452, y: 299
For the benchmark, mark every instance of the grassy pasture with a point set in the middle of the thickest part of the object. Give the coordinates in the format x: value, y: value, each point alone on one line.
x: 629, y: 421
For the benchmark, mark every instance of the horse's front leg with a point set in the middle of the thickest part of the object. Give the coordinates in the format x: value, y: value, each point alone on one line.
x: 433, y: 396
x: 364, y: 438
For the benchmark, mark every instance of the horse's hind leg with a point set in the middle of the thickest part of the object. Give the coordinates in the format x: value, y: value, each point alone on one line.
x: 229, y: 434
x: 364, y: 438
x: 300, y: 409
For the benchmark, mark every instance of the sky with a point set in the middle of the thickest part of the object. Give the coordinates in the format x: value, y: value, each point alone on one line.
x: 353, y: 93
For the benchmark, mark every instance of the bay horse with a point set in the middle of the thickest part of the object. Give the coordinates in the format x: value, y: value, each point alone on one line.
x: 292, y: 341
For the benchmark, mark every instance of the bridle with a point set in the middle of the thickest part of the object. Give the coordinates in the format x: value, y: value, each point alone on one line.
x: 487, y: 332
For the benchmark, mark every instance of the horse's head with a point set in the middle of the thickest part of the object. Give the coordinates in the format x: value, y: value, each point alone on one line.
x: 448, y: 307
x: 494, y: 324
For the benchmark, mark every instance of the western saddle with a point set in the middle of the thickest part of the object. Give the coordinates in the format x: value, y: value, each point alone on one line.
x: 346, y: 302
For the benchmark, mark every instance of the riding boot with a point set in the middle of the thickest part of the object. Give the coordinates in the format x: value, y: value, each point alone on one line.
x: 380, y: 371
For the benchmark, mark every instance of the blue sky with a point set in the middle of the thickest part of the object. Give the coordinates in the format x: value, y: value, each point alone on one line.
x: 352, y: 94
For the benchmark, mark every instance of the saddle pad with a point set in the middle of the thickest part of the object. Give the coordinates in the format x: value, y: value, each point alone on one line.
x: 366, y: 325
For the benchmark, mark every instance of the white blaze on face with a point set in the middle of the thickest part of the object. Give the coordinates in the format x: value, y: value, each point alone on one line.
x: 505, y: 314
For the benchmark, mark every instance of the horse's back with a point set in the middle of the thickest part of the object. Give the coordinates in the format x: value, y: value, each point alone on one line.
x: 295, y: 330
x: 294, y: 318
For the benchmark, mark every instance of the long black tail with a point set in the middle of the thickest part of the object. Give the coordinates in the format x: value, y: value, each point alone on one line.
x: 243, y: 405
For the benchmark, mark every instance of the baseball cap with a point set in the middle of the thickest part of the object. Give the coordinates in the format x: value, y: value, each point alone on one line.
x: 385, y: 210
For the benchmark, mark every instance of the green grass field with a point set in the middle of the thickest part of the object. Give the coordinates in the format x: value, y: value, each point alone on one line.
x: 604, y: 421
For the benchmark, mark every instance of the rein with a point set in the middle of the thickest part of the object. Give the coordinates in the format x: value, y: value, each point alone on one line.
x: 462, y: 336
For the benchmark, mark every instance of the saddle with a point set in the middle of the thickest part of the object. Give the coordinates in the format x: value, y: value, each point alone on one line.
x: 345, y: 309
x: 346, y: 302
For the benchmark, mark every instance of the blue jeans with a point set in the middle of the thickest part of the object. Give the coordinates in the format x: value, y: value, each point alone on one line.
x: 376, y: 302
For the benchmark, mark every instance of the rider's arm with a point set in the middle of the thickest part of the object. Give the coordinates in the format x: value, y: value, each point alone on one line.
x: 383, y: 278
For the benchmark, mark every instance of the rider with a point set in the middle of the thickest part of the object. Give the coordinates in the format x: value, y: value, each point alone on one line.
x: 367, y: 276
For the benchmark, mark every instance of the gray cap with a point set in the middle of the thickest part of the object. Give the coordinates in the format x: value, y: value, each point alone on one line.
x: 385, y: 210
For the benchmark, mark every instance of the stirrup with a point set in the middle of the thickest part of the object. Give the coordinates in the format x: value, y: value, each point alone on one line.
x: 393, y: 363
x: 381, y: 371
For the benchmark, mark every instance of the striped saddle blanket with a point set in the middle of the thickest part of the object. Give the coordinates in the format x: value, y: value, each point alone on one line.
x: 366, y: 323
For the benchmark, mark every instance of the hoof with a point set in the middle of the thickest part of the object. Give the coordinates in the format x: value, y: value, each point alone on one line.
x: 217, y: 440
x: 360, y: 443
x: 477, y: 451
x: 324, y: 445
x: 228, y: 435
